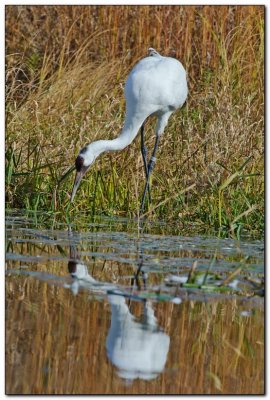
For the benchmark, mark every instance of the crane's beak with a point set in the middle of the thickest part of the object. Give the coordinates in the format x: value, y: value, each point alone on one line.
x: 77, y: 181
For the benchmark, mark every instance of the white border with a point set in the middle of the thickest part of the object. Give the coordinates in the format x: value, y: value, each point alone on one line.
x: 2, y: 143
x: 138, y: 3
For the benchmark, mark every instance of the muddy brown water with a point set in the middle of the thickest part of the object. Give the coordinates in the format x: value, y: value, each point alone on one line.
x: 98, y: 307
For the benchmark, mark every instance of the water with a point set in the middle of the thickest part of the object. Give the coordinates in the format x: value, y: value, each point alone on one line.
x: 101, y: 307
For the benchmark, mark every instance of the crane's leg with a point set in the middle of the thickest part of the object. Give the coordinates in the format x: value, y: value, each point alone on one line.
x: 144, y: 156
x: 144, y: 150
x: 150, y: 169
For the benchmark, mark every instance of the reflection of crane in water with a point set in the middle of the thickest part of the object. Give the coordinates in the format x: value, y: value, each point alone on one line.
x: 156, y: 86
x: 137, y: 348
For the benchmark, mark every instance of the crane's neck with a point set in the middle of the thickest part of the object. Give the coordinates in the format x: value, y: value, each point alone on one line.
x: 127, y: 135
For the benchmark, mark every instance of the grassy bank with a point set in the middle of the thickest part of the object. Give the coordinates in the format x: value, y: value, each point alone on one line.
x: 66, y: 67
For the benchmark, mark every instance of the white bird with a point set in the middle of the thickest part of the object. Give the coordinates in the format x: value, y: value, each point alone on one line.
x: 157, y: 86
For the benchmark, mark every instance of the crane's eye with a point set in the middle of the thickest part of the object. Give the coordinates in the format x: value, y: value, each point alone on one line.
x: 79, y: 163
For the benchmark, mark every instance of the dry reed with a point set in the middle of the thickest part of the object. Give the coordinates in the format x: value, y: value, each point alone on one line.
x: 66, y: 66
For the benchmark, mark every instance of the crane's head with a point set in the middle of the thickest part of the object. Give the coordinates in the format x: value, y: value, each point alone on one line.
x: 83, y: 162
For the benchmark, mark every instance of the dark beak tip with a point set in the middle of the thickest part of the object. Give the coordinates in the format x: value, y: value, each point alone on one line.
x: 76, y: 184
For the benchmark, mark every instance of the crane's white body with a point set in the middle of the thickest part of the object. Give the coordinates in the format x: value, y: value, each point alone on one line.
x: 157, y: 85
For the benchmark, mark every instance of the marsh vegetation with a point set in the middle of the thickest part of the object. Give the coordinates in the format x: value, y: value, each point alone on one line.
x: 65, y: 71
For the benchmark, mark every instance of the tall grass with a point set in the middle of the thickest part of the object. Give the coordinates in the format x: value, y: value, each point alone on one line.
x: 66, y: 67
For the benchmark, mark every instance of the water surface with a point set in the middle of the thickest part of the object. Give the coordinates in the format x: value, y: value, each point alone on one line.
x: 102, y: 307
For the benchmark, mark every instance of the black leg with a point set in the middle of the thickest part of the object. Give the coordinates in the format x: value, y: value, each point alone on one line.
x: 144, y: 150
x: 150, y: 169
x: 144, y: 156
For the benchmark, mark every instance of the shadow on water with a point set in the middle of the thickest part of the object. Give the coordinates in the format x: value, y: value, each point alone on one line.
x: 112, y: 310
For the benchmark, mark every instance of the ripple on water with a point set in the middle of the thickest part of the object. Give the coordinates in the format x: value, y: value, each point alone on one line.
x: 35, y: 242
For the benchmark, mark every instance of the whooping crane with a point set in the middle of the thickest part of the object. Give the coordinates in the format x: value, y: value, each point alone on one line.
x: 156, y: 86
